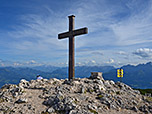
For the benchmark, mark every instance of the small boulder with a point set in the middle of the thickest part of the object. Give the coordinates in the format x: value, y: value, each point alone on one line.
x: 24, y: 83
x: 96, y: 75
x: 50, y: 110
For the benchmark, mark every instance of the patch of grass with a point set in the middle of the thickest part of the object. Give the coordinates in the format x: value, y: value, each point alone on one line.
x: 93, y: 111
x: 76, y: 102
x: 102, y: 89
x: 100, y: 96
x: 44, y: 112
x: 144, y: 91
x: 149, y: 99
x: 15, y: 86
x: 23, y: 91
x: 85, y: 91
x: 91, y: 90
x: 61, y: 97
x: 2, y: 100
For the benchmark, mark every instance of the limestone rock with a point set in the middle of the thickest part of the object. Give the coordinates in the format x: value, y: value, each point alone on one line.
x: 50, y: 110
x: 96, y: 75
x: 23, y: 83
x: 21, y: 100
x: 92, y: 95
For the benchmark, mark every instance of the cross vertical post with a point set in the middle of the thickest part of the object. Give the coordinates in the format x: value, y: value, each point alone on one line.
x: 71, y: 49
x: 71, y: 33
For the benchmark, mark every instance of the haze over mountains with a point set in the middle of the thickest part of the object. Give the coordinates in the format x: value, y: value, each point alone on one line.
x: 136, y: 76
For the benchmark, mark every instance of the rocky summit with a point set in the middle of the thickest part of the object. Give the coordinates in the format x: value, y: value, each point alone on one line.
x: 92, y: 95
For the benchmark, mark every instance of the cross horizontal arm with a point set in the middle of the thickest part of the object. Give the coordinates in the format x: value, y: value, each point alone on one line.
x: 80, y: 31
x: 63, y: 35
x: 73, y: 33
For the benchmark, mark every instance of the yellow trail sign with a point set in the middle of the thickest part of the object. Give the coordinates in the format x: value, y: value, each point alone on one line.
x: 119, y: 72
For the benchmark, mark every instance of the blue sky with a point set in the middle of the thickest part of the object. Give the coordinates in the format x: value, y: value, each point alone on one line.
x: 120, y: 32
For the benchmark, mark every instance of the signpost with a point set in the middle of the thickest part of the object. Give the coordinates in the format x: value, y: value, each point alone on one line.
x: 120, y: 74
x: 71, y: 33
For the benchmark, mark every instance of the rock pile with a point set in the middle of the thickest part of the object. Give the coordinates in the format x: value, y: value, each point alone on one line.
x: 92, y: 95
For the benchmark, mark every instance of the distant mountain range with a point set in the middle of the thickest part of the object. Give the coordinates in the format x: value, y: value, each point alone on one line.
x: 139, y: 76
x: 14, y: 75
x: 81, y: 71
x: 45, y: 68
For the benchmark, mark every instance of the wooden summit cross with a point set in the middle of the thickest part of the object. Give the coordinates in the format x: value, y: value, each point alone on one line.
x: 71, y: 33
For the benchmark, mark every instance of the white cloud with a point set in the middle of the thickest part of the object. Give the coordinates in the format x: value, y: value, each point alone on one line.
x: 93, y: 61
x: 17, y: 64
x: 79, y: 64
x: 143, y: 52
x: 87, y: 63
x: 121, y: 53
x: 110, y: 61
x: 4, y: 63
x: 135, y: 29
x: 31, y: 62
x: 111, y: 25
x: 43, y: 28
